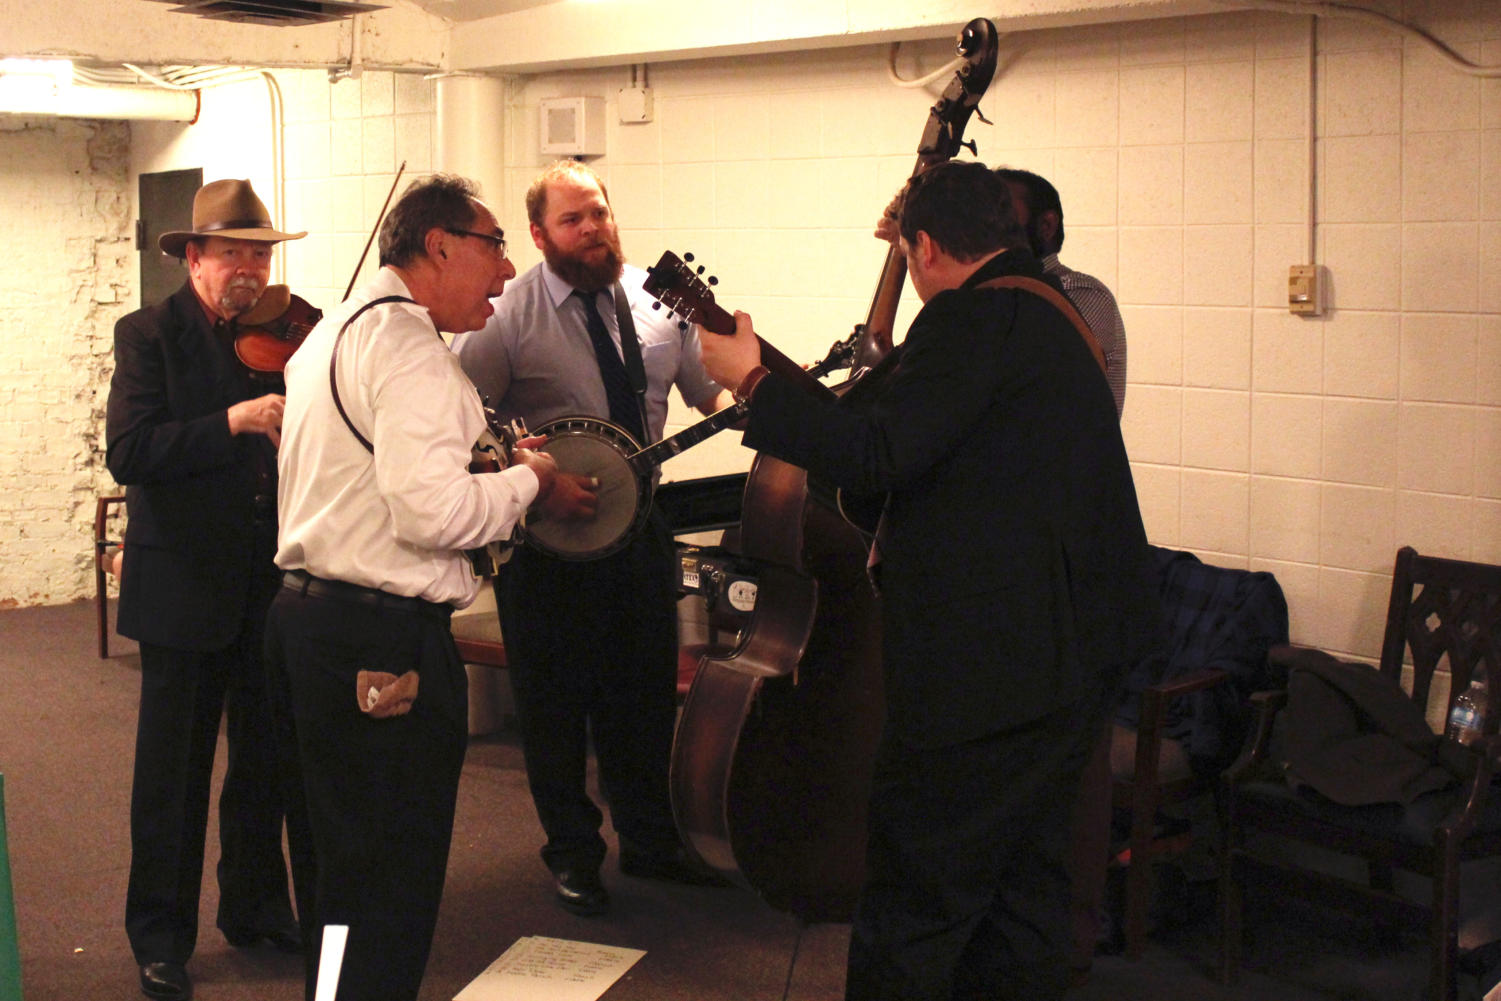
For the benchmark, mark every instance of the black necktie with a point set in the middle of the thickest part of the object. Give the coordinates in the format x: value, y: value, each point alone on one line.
x: 624, y: 410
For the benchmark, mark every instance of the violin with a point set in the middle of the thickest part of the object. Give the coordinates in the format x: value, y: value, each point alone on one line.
x: 274, y: 329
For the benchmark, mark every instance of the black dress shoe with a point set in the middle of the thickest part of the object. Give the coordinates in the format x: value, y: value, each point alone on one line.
x: 286, y: 939
x: 166, y: 981
x: 672, y: 867
x: 580, y: 891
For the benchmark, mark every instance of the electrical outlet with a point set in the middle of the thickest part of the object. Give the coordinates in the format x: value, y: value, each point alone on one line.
x: 1305, y: 291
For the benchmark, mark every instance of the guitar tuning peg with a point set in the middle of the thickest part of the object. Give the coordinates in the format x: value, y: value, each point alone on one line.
x: 713, y: 280
x: 688, y: 257
x: 656, y: 305
x: 682, y: 328
x: 699, y: 270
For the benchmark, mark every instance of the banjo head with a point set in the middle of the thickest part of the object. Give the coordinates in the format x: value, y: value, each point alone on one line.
x: 588, y: 446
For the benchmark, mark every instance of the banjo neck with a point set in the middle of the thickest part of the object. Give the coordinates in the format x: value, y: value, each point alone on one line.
x: 649, y: 458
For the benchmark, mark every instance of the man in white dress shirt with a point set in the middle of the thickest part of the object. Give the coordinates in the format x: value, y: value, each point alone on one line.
x: 377, y: 508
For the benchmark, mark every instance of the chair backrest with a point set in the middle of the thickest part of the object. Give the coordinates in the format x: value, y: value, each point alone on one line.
x: 1445, y: 612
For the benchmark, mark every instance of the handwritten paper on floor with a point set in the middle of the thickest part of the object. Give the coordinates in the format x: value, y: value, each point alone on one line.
x: 550, y: 969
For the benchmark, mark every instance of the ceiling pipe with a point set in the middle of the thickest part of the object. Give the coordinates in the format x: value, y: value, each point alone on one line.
x: 151, y: 103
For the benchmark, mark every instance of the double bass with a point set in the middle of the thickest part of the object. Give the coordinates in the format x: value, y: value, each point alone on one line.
x: 774, y: 752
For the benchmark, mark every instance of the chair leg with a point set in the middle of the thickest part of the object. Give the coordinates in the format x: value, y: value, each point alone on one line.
x: 1230, y: 904
x: 1139, y: 872
x: 1444, y: 932
x: 101, y: 599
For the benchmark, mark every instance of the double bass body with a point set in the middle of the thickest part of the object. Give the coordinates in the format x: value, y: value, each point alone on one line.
x: 775, y: 749
x: 772, y: 762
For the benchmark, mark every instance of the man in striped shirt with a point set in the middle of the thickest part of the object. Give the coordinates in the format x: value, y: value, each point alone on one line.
x: 1040, y: 211
x: 1041, y: 214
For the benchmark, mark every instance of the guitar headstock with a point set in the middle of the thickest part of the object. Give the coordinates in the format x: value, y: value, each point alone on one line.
x: 677, y: 285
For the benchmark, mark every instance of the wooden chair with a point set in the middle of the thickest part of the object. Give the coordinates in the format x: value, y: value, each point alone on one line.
x: 1187, y: 709
x: 1443, y: 613
x: 1150, y: 770
x: 107, y: 554
x: 478, y: 639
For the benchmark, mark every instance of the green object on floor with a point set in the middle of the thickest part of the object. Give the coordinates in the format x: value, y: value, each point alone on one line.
x: 10, y: 951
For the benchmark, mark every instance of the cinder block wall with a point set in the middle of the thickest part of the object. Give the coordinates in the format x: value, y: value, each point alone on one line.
x: 1309, y: 447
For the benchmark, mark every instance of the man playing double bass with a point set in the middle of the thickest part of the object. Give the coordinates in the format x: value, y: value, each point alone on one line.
x: 1012, y: 566
x: 193, y: 437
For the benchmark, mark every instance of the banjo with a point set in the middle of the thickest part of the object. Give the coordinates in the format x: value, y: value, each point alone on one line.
x: 592, y: 446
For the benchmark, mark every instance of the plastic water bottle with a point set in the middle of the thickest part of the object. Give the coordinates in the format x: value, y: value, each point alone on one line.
x: 1468, y: 714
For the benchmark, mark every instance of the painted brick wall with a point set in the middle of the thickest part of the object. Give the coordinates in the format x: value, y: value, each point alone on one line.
x: 63, y: 191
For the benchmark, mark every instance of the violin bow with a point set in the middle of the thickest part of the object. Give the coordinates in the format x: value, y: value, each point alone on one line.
x: 364, y: 253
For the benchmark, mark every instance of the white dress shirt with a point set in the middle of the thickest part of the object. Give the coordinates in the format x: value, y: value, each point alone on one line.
x: 400, y: 518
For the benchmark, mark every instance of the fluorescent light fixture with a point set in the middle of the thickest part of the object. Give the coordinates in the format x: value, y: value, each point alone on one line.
x: 34, y: 79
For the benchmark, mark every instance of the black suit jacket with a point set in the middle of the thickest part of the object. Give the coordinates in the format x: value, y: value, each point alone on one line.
x: 192, y: 540
x: 1014, y: 566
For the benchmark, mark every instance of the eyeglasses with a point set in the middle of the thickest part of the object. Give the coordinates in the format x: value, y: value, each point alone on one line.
x: 497, y: 243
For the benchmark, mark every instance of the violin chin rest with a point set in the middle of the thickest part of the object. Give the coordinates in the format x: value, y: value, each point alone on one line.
x: 273, y: 303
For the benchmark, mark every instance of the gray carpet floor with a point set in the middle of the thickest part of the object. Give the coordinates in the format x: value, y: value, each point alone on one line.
x: 67, y: 724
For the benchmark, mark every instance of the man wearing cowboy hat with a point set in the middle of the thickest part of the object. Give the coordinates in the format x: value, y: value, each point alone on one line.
x: 193, y: 438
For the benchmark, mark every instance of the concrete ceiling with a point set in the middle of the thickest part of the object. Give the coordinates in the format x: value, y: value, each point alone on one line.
x: 474, y: 10
x: 531, y: 36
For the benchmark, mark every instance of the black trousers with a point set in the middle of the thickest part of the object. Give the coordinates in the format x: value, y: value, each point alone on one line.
x: 592, y: 652
x: 378, y: 795
x: 184, y: 694
x: 966, y: 893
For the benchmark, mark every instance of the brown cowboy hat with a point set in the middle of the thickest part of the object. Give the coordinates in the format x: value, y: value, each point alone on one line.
x: 229, y: 209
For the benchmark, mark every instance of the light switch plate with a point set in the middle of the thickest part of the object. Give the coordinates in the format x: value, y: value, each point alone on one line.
x: 1305, y: 290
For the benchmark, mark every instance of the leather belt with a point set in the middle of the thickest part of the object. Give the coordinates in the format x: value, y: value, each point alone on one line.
x: 309, y: 586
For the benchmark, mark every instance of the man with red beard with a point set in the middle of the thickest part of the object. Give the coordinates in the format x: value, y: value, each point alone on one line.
x: 193, y: 437
x: 591, y: 645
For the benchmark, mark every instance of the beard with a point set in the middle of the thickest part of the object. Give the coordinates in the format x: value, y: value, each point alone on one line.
x: 579, y: 272
x: 240, y: 296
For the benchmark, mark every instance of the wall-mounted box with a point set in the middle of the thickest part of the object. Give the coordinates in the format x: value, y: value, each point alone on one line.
x: 635, y: 105
x: 573, y: 126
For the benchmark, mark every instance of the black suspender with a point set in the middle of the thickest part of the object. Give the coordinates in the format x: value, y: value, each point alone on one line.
x: 333, y: 360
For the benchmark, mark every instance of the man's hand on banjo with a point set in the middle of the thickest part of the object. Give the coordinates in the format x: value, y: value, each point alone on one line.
x: 559, y: 495
x: 572, y: 497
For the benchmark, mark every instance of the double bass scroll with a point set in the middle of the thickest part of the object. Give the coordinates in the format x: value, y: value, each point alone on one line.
x: 942, y: 139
